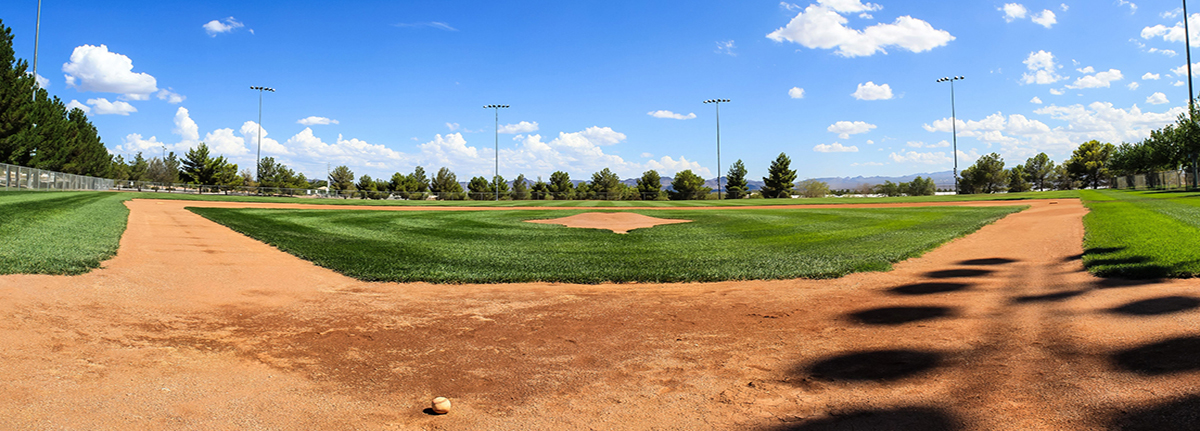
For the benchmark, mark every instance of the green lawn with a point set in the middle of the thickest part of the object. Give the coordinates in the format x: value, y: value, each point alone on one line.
x: 59, y: 232
x: 1067, y: 194
x: 1145, y: 234
x: 498, y: 246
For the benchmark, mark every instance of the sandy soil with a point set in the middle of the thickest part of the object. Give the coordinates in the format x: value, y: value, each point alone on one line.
x: 193, y: 326
x: 619, y: 222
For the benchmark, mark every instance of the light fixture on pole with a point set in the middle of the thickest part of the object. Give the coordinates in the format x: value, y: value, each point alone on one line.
x: 258, y: 154
x: 496, y: 178
x: 953, y: 127
x: 718, y: 102
x: 37, y: 32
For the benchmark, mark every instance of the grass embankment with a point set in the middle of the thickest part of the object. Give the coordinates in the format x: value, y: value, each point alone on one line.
x: 498, y: 246
x: 1147, y: 234
x: 59, y: 232
x: 1066, y: 194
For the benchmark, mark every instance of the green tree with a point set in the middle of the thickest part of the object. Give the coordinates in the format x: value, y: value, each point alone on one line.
x: 1088, y: 164
x: 1039, y: 170
x: 341, y: 179
x: 200, y: 168
x: 649, y: 186
x: 541, y: 190
x: 561, y: 186
x: 16, y: 92
x: 688, y: 186
x: 446, y: 185
x: 811, y: 188
x: 606, y: 185
x: 736, y: 186
x: 419, y: 180
x: 138, y: 167
x: 779, y: 178
x: 120, y: 170
x: 987, y: 175
x: 365, y: 186
x: 888, y: 189
x: 478, y: 188
x: 498, y: 181
x: 919, y: 187
x: 520, y: 188
x: 1018, y: 180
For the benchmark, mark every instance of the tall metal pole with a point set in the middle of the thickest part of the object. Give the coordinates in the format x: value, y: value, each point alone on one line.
x: 953, y: 126
x: 36, y: 35
x: 718, y: 103
x: 1187, y: 46
x: 258, y: 153
x: 496, y: 177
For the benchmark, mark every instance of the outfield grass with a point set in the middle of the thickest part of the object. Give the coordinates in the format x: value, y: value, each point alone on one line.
x: 1064, y: 194
x: 498, y: 246
x: 1146, y: 234
x: 59, y: 232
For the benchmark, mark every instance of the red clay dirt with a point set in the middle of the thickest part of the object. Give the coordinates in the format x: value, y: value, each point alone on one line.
x: 619, y: 222
x: 193, y: 326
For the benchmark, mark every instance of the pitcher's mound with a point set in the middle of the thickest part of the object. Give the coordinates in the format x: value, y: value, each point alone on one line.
x: 621, y: 222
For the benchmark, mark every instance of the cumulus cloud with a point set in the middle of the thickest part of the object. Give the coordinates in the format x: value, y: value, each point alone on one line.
x: 1182, y: 70
x: 669, y: 114
x: 1036, y: 100
x: 835, y: 148
x: 315, y: 120
x: 846, y: 128
x: 1150, y: 76
x: 1133, y: 85
x: 1056, y: 92
x: 1174, y: 33
x: 669, y: 167
x: 522, y: 127
x: 42, y: 82
x: 270, y: 146
x: 224, y: 142
x: 849, y: 6
x: 185, y: 127
x: 170, y: 96
x: 1042, y: 69
x: 796, y: 93
x: 94, y: 68
x: 1099, y: 80
x: 821, y: 26
x: 1044, y: 19
x: 870, y: 91
x: 930, y: 158
x: 1013, y: 11
x: 215, y: 27
x: 1157, y: 99
x: 102, y: 106
x: 919, y: 144
x: 75, y: 104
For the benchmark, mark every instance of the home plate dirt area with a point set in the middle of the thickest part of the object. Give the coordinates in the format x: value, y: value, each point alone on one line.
x: 193, y: 326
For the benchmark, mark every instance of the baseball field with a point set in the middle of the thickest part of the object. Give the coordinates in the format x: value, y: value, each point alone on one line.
x: 1070, y: 310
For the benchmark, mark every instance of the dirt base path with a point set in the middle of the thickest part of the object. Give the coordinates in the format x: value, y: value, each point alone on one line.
x: 193, y: 326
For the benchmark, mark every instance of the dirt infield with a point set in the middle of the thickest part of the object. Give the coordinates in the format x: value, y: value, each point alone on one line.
x: 619, y: 222
x: 193, y: 326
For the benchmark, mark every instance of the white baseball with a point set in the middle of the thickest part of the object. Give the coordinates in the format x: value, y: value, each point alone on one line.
x: 441, y: 405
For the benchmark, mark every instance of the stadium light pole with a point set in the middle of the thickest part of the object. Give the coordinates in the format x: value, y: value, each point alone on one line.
x: 1187, y: 47
x: 718, y: 102
x: 496, y: 177
x: 953, y: 127
x: 37, y: 32
x: 258, y: 154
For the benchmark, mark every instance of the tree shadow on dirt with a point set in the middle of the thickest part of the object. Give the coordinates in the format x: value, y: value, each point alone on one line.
x: 893, y: 419
x: 928, y: 288
x: 955, y: 273
x: 1158, y: 306
x: 1176, y: 414
x: 874, y: 365
x: 900, y: 315
x: 988, y: 261
x: 1116, y: 283
x: 1173, y: 355
x: 1049, y: 297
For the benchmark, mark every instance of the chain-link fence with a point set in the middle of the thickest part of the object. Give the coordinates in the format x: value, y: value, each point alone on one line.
x: 1174, y: 179
x: 23, y: 178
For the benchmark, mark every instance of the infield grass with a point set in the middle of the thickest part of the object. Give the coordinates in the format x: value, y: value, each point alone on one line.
x: 59, y: 232
x: 498, y: 246
x: 1146, y: 234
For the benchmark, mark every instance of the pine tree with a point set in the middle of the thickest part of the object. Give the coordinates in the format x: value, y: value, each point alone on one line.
x: 780, y: 178
x: 736, y: 187
x: 649, y: 186
x: 520, y: 188
x: 16, y: 90
x: 688, y: 186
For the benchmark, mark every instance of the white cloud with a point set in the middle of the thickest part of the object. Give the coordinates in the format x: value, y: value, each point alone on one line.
x: 850, y: 6
x: 186, y: 128
x: 433, y: 24
x: 170, y: 96
x: 1044, y: 19
x: 1133, y: 85
x: 269, y: 145
x: 134, y: 142
x: 1157, y: 99
x: 42, y: 82
x: 1036, y: 100
x: 930, y: 158
x: 870, y: 91
x: 451, y: 126
x: 1150, y: 76
x: 1178, y: 84
x: 1099, y: 80
x: 1056, y: 92
x: 669, y: 114
x: 75, y: 104
x: 1132, y: 6
x: 669, y: 167
x: 522, y: 127
x: 350, y: 152
x: 845, y: 128
x: 224, y: 142
x: 1166, y: 52
x: 102, y: 106
x: 835, y: 148
x: 215, y: 27
x: 1174, y: 33
x: 647, y: 155
x: 796, y: 93
x: 726, y: 47
x: 820, y: 26
x: 1087, y: 70
x: 315, y: 120
x: 1043, y: 68
x: 94, y: 68
x: 919, y: 144
x: 1013, y: 11
x: 1182, y: 70
x: 1064, y: 7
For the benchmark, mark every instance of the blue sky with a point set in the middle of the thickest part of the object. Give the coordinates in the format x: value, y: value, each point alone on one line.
x: 845, y: 88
